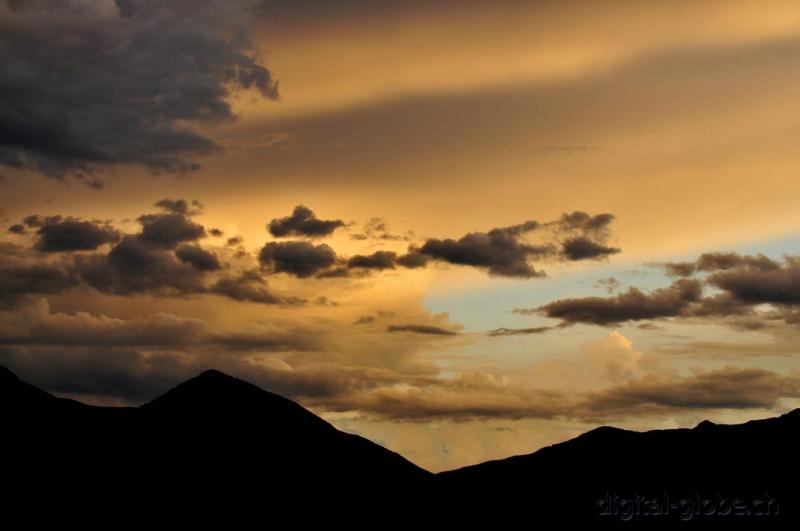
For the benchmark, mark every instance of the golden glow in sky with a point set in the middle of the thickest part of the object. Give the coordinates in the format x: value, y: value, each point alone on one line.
x: 416, y: 128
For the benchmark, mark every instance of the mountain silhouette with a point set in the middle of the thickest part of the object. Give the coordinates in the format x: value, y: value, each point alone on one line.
x: 741, y: 476
x: 213, y: 443
x: 218, y: 447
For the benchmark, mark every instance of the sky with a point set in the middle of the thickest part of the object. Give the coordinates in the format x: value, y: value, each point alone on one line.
x: 465, y: 230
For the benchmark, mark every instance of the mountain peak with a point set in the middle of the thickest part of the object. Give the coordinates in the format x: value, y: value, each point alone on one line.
x: 214, y: 375
x: 210, y: 386
x: 6, y: 374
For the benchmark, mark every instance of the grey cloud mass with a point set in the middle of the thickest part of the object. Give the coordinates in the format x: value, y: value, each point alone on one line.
x: 299, y: 258
x: 198, y: 257
x: 420, y: 329
x: 303, y: 222
x: 505, y: 252
x: 57, y: 234
x: 89, y: 85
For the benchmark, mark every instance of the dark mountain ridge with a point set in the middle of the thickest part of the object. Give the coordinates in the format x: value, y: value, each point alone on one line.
x: 226, y: 447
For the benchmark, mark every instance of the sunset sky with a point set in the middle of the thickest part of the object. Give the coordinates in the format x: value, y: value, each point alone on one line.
x: 462, y: 229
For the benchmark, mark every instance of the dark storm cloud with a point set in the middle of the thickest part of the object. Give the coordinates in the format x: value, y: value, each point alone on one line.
x: 217, y: 233
x: 413, y: 259
x: 134, y: 376
x: 198, y: 257
x: 720, y: 261
x: 420, y: 329
x: 303, y: 222
x: 581, y: 221
x: 166, y: 231
x: 116, y: 373
x: 153, y: 262
x: 633, y: 305
x: 753, y: 285
x: 17, y: 228
x: 234, y: 241
x: 724, y: 261
x: 180, y: 206
x: 19, y: 281
x: 729, y: 388
x: 134, y: 267
x: 679, y: 269
x: 745, y: 280
x: 88, y: 85
x: 249, y: 286
x: 42, y: 328
x: 582, y: 248
x: 377, y: 229
x: 57, y: 234
x: 500, y: 251
x: 33, y: 221
x: 376, y: 260
x: 298, y: 258
x: 499, y: 332
x: 741, y: 283
x: 274, y: 341
x: 504, y: 251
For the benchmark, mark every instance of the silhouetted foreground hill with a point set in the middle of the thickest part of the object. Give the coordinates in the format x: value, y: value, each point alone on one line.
x: 212, y: 445
x: 742, y: 475
x: 215, y: 446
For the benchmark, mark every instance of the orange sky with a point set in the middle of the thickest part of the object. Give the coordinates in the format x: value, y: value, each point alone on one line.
x: 446, y: 118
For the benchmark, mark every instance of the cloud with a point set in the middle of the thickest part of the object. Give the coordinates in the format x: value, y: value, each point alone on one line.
x: 497, y: 332
x: 135, y: 359
x: 19, y: 281
x: 611, y: 284
x: 500, y: 251
x: 679, y: 269
x: 377, y: 229
x: 157, y: 261
x: 376, y: 260
x: 296, y: 339
x: 166, y: 231
x: 469, y: 397
x: 35, y: 324
x: 134, y: 267
x: 303, y: 222
x: 596, y: 225
x: 582, y: 248
x: 420, y: 329
x: 757, y: 284
x: 726, y: 388
x: 633, y: 305
x: 141, y: 74
x: 504, y: 251
x: 413, y: 259
x: 180, y: 206
x: 298, y: 258
x: 57, y: 234
x: 249, y: 286
x: 198, y: 257
x: 739, y: 283
x: 720, y: 261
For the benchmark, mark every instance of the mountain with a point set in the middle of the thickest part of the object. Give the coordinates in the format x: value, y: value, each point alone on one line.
x: 722, y: 475
x: 217, y: 447
x: 213, y: 443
